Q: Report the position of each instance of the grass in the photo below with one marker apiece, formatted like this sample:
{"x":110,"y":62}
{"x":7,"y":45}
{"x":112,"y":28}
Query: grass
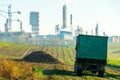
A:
{"x":15,"y":51}
{"x":13,"y":70}
{"x":114,"y":63}
{"x":3,"y":44}
{"x":114,"y":55}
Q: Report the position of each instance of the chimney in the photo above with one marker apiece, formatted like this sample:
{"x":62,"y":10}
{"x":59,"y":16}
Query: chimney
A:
{"x":71,"y":19}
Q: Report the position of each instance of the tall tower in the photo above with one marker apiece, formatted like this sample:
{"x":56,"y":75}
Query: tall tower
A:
{"x":71,"y":19}
{"x":34,"y":22}
{"x":91,"y":31}
{"x":64,"y":16}
{"x":96,"y":30}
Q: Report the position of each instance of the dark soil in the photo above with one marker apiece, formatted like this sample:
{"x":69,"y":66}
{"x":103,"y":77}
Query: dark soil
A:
{"x":40,"y":57}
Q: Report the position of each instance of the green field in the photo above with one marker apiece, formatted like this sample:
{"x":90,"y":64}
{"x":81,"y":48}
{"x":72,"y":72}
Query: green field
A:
{"x":60,"y":71}
{"x":114,"y":55}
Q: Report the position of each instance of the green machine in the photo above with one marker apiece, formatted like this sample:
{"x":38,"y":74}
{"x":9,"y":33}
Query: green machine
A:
{"x":91,"y":54}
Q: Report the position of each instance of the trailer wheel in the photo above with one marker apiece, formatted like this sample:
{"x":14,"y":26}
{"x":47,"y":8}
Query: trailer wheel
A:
{"x":79,"y":73}
{"x":101,"y":73}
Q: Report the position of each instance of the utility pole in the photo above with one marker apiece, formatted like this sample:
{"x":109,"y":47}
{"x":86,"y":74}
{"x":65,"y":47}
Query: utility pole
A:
{"x":10,"y":16}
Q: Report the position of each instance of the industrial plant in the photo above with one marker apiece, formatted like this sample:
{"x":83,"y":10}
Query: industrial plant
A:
{"x":64,"y":34}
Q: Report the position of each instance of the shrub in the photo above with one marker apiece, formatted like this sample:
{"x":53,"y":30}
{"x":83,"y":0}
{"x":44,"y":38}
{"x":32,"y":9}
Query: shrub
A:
{"x":9,"y":69}
{"x":13,"y":70}
{"x":37,"y":70}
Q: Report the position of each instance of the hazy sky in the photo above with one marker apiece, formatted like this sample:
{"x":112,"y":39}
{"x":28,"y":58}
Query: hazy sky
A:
{"x":86,"y":13}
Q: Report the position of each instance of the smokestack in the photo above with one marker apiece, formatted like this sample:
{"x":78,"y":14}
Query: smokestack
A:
{"x":21,"y":26}
{"x":71,"y":19}
{"x":86,"y":32}
{"x":64,"y":16}
{"x":91,"y":31}
{"x":96,"y":30}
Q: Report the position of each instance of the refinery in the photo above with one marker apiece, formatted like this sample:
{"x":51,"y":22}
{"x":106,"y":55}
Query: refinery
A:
{"x":64,"y":33}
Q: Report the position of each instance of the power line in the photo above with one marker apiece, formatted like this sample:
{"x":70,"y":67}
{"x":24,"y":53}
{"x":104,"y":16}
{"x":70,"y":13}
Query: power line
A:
{"x":3,"y":16}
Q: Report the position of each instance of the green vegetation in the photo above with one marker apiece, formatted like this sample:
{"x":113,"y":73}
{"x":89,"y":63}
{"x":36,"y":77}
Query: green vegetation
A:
{"x":114,"y":63}
{"x":13,"y":70}
{"x":5,"y":44}
{"x":37,"y":70}
{"x":114,"y":55}
{"x":114,"y":47}
{"x":12,"y":50}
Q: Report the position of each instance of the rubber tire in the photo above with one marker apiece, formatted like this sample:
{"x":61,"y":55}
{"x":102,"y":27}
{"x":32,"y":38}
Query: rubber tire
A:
{"x":101,"y":73}
{"x":79,"y":73}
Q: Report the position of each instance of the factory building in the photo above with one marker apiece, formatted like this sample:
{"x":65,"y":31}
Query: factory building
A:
{"x":34,"y":22}
{"x":66,"y":31}
{"x":66,"y":34}
{"x":115,"y":39}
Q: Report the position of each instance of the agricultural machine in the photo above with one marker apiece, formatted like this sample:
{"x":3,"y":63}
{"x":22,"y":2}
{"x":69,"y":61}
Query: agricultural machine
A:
{"x":91,"y":54}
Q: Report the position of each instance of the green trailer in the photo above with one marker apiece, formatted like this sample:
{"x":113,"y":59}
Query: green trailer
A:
{"x":91,"y":54}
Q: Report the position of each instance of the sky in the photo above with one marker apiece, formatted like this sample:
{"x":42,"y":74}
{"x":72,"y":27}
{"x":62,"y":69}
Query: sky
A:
{"x":86,"y":14}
